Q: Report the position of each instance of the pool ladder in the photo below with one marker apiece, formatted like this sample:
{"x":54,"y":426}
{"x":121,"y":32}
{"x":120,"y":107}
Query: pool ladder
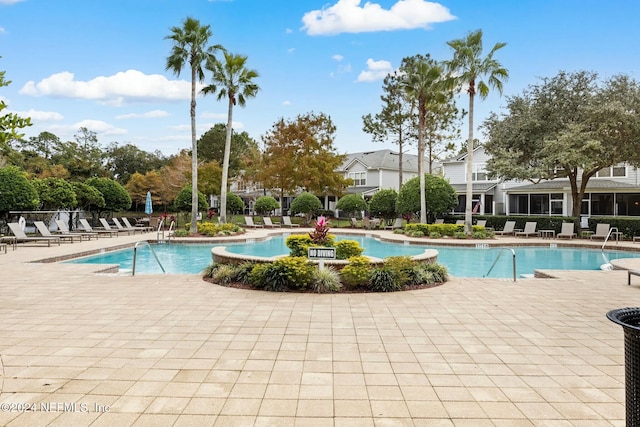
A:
{"x":135,"y":252}
{"x":498,"y":257}
{"x":611,"y":231}
{"x":161,"y":231}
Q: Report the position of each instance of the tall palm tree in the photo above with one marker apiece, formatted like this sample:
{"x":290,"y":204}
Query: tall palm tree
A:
{"x":468,"y":66}
{"x":231,"y":79}
{"x":424,"y":84}
{"x":191,"y":47}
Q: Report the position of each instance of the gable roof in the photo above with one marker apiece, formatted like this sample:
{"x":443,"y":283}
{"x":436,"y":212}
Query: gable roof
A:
{"x":382,"y":159}
{"x":561,"y":184}
{"x":461,"y":157}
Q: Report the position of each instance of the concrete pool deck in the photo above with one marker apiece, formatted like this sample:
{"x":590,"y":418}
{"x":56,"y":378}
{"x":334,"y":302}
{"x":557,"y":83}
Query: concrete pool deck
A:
{"x":105,"y":350}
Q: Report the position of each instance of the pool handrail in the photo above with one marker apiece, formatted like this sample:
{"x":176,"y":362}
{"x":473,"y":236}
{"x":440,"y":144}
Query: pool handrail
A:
{"x":498,"y":257}
{"x":611,"y":231}
{"x":135,"y":251}
{"x":160,"y":230}
{"x":170,"y":229}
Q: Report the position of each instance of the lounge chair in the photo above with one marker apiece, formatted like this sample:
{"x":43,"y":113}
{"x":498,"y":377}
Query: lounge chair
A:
{"x":249,"y":223}
{"x":529,"y":230}
{"x":602,"y":231}
{"x":460,"y":222}
{"x":509,"y":228}
{"x":106,"y":226}
{"x":129,"y":228}
{"x":568,"y":230}
{"x":267,"y":222}
{"x":397,"y":224}
{"x":44,"y":231}
{"x":354,"y":223}
{"x":439,"y":221}
{"x":63,"y":229}
{"x":286,"y":222}
{"x":482,"y":223}
{"x":87,"y":227}
{"x":21,"y":237}
{"x":138,"y":226}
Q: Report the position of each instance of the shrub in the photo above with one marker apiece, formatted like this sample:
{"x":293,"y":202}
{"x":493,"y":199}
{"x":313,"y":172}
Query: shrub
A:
{"x":235,"y":204}
{"x":298,"y":244}
{"x":181,"y":233}
{"x":440,"y":274}
{"x":384,"y":279}
{"x":434,"y":235}
{"x":265,"y":205}
{"x":257,"y":275}
{"x":422,"y":276}
{"x":347,"y":249}
{"x":357,"y":272}
{"x":402,"y":267}
{"x":351,"y":204}
{"x":325,"y":280}
{"x":298,"y":271}
{"x":243,"y":271}
{"x":182,"y":201}
{"x":306,"y":203}
{"x":211,"y":269}
{"x":224,"y":275}
{"x":460,"y":235}
{"x":211,"y":229}
{"x":383,"y":204}
{"x":270,"y":277}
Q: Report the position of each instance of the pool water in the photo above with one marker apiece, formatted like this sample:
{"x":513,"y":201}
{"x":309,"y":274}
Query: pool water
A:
{"x":461,"y":262}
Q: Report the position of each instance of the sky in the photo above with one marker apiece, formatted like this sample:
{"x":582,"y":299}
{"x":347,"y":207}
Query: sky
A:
{"x":101,"y":64}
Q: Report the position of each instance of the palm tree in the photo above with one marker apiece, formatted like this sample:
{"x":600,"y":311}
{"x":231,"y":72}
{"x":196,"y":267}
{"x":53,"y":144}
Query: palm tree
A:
{"x":191,"y":46}
{"x":468,"y":66}
{"x":233,"y":80}
{"x":424,"y":84}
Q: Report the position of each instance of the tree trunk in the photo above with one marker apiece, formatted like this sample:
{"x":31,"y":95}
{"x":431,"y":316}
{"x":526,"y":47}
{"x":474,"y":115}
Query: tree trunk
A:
{"x":194,"y":157}
{"x":423,"y":200}
{"x":468,"y":219}
{"x":225,"y":163}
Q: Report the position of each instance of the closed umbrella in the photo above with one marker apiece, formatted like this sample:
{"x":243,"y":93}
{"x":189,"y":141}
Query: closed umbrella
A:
{"x":148,"y":205}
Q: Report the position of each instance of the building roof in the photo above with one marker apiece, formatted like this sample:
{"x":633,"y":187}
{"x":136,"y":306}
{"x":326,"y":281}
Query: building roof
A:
{"x":482,"y":187}
{"x":365,"y":191}
{"x":382,"y":159}
{"x":556,"y":184}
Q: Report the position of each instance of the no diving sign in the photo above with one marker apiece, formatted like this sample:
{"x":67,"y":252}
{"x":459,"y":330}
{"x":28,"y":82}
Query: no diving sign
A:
{"x":321,"y":253}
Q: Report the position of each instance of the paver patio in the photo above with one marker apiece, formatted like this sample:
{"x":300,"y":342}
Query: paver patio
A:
{"x":106,"y":350}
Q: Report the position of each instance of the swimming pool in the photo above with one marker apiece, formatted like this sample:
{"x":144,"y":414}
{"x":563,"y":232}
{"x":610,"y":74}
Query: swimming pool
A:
{"x":460,"y":261}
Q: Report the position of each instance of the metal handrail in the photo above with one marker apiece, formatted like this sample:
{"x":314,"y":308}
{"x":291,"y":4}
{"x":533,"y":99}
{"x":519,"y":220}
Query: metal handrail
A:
{"x":498,"y":257}
{"x":609,"y":235}
{"x":170,"y":228}
{"x":135,"y":251}
{"x":160,"y":230}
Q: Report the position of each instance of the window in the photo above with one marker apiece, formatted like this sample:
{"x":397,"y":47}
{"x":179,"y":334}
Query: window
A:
{"x":557,"y":204}
{"x":601,"y":204}
{"x":539,"y":204}
{"x":613,"y":171}
{"x":359,"y":178}
{"x":479,"y":172}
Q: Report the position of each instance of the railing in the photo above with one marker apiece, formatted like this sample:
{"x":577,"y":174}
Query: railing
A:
{"x":170,"y":229}
{"x":160,"y":230}
{"x":135,"y":252}
{"x":611,"y":231}
{"x":498,"y":257}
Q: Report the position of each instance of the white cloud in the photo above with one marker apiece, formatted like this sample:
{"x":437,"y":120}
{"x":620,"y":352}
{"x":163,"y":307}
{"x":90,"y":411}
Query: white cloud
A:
{"x":347,"y":16}
{"x":2,"y":30}
{"x":40,"y":116}
{"x":291,"y":50}
{"x":121,"y":88}
{"x":376,"y":70}
{"x":337,"y":57}
{"x":98,"y":126}
{"x":155,"y":114}
{"x":214,"y":116}
{"x":286,"y":103}
{"x":288,"y":31}
{"x":8,"y":2}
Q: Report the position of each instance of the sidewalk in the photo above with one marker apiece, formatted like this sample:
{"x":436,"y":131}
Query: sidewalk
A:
{"x":105,"y":350}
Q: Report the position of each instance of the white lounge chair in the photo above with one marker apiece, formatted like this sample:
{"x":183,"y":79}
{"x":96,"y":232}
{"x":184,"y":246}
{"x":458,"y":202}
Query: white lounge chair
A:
{"x":107,"y":226}
{"x":138,"y":226}
{"x":44,"y":232}
{"x":286,"y":222}
{"x":87,"y":227}
{"x":63,"y":229}
{"x":22,"y":237}
{"x":568,"y":230}
{"x":267,"y":222}
{"x":122,"y":228}
{"x":602,"y":231}
{"x":249,"y":223}
{"x":397,"y":224}
{"x":439,"y":221}
{"x":529,"y":230}
{"x":460,"y":222}
{"x":509,"y":228}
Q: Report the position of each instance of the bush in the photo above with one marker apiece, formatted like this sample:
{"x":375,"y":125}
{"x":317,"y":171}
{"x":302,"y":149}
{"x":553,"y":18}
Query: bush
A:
{"x":298,"y":270}
{"x":182,"y":201}
{"x":211,"y":229}
{"x":283,"y":274}
{"x":422,"y":276}
{"x":440,"y":274}
{"x":307,"y":204}
{"x":402,"y":267}
{"x":357,"y":272}
{"x":235,"y":204}
{"x":224,"y":275}
{"x":243,"y":272}
{"x":383,"y":204}
{"x":351,"y":204}
{"x":440,"y":196}
{"x":299,"y":244}
{"x":265,"y":204}
{"x":181,"y":233}
{"x":325,"y":280}
{"x":384,"y":279}
{"x":348,"y":248}
{"x":211,"y":269}
{"x":16,"y":192}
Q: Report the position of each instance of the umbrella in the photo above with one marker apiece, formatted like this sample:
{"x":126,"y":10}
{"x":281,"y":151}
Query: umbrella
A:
{"x":148,"y":205}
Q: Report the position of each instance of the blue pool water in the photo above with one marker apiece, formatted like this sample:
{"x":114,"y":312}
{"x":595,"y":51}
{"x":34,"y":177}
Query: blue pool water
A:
{"x":461,"y":262}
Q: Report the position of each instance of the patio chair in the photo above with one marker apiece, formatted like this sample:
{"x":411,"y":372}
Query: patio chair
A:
{"x":602,"y":231}
{"x":439,"y":221}
{"x":87,"y":227}
{"x":509,"y":228}
{"x":21,"y":237}
{"x":568,"y":230}
{"x":482,"y":223}
{"x":286,"y":222}
{"x":138,"y":225}
{"x":267,"y":222}
{"x":107,"y":226}
{"x":249,"y":223}
{"x":396,"y":224}
{"x":122,"y":228}
{"x":63,"y":229}
{"x":529,"y":230}
{"x":460,"y":222}
{"x":354,"y":223}
{"x":44,"y":232}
